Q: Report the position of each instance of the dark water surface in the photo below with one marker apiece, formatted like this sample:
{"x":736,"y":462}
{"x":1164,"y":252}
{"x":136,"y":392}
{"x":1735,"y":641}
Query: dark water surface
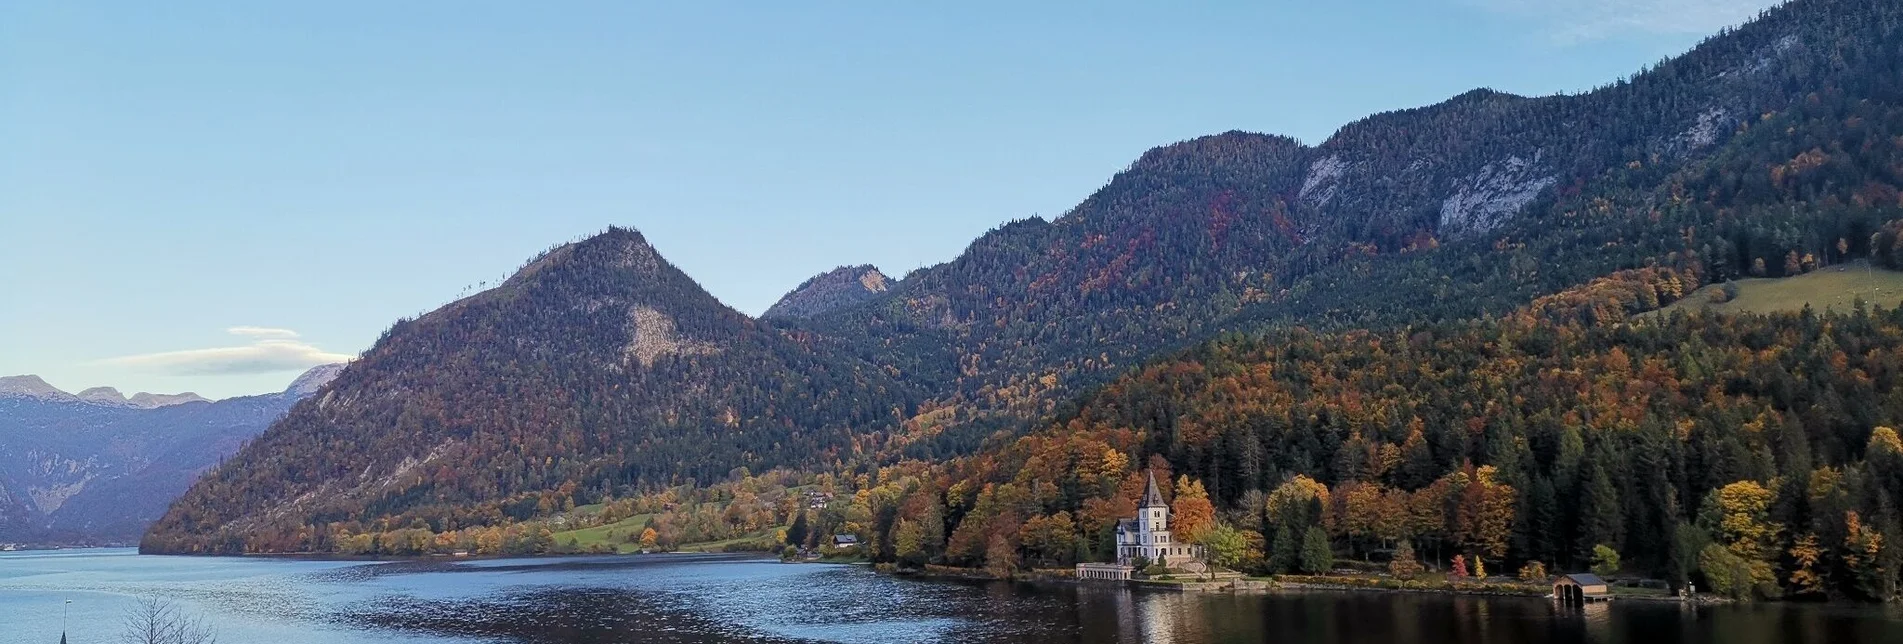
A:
{"x":693,"y":598}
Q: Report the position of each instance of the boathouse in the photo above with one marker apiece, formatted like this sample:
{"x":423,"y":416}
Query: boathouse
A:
{"x":1579,"y":588}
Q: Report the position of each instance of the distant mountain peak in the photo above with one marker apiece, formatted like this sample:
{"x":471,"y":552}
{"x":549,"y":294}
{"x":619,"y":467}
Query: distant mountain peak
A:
{"x":616,"y":247}
{"x":620,"y":247}
{"x":1216,"y":146}
{"x":1481,"y":94}
{"x":314,"y":380}
{"x":843,"y":286}
{"x":31,"y":386}
{"x":145,"y":400}
{"x":103,"y":396}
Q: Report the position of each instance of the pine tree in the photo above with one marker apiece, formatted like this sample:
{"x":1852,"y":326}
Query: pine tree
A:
{"x":1287,"y":556}
{"x":1542,"y":521}
{"x":798,"y":533}
{"x":1417,"y":462}
{"x":1600,"y":519}
{"x":1318,"y":556}
{"x":1404,"y":565}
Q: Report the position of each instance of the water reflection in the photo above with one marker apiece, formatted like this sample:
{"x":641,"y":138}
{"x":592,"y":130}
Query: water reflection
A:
{"x":697,"y":599}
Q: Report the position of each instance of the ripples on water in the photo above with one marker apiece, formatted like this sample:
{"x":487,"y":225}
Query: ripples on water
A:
{"x":691,"y":599}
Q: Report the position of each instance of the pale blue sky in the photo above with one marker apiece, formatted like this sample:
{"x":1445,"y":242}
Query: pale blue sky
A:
{"x":173,"y":170}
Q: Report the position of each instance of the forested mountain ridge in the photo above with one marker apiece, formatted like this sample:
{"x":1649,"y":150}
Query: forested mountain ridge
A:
{"x":597,"y":365}
{"x":1749,"y":454}
{"x":1231,"y":231}
{"x":542,"y":394}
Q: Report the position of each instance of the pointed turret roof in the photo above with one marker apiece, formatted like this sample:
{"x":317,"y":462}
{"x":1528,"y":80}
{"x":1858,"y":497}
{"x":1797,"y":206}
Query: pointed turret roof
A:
{"x":1152,"y":497}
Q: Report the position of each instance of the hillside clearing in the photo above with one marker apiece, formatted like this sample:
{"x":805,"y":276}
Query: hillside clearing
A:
{"x":1834,"y":287}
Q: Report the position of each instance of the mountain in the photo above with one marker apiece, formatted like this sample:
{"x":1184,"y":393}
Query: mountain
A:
{"x":33,"y":387}
{"x":311,"y":381}
{"x":98,"y":467}
{"x":144,"y":400}
{"x":600,"y":370}
{"x":1458,"y":210}
{"x":111,"y":397}
{"x":838,"y":288}
{"x":1540,"y":436}
{"x":598,"y":364}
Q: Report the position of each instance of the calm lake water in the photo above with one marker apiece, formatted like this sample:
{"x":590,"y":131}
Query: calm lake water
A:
{"x":689,"y":598}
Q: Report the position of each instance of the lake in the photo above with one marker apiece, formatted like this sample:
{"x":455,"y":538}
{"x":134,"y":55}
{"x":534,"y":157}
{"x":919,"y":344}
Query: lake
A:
{"x":717,"y":598}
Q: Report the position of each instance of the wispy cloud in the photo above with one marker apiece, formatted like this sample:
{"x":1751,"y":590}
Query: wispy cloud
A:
{"x":270,"y":350}
{"x":262,"y":332}
{"x":1572,"y":21}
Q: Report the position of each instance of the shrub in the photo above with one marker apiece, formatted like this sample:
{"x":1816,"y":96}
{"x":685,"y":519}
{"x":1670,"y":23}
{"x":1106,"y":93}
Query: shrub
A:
{"x":1726,"y":293}
{"x":1533,"y":571}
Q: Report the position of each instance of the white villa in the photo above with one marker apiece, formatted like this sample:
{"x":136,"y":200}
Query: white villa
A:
{"x":1146,"y":536}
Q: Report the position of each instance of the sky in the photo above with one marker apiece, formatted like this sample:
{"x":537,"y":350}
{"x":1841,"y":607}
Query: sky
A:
{"x":213,"y":196}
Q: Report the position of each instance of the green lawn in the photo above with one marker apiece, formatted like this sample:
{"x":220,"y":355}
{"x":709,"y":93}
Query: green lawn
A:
{"x":1833,"y":287}
{"x":631,"y":526}
{"x":1634,"y":591}
{"x":587,"y":537}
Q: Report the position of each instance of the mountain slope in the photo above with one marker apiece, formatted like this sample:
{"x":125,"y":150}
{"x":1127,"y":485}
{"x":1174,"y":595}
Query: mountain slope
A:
{"x":1533,"y":437}
{"x":598,"y":365}
{"x":99,"y":468}
{"x":599,"y":369}
{"x":841,"y":287}
{"x":1468,"y":207}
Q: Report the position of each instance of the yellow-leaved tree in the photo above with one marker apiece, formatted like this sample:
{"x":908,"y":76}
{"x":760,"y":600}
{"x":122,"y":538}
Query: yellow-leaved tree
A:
{"x":1191,"y":513}
{"x":1739,"y":516}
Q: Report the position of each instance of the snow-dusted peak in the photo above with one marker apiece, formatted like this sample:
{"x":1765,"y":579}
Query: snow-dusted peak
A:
{"x":31,"y":386}
{"x":103,"y":396}
{"x":313,"y":380}
{"x":144,"y":400}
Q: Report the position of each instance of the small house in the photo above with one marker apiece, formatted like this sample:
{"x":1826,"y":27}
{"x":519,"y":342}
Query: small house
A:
{"x":845,"y":541}
{"x":1579,"y":588}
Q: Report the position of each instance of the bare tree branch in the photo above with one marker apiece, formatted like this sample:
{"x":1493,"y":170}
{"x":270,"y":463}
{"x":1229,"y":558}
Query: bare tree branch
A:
{"x":157,"y":621}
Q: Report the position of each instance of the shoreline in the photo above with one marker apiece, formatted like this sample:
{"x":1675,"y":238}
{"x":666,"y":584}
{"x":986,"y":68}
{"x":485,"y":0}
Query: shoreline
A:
{"x":1259,"y":585}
